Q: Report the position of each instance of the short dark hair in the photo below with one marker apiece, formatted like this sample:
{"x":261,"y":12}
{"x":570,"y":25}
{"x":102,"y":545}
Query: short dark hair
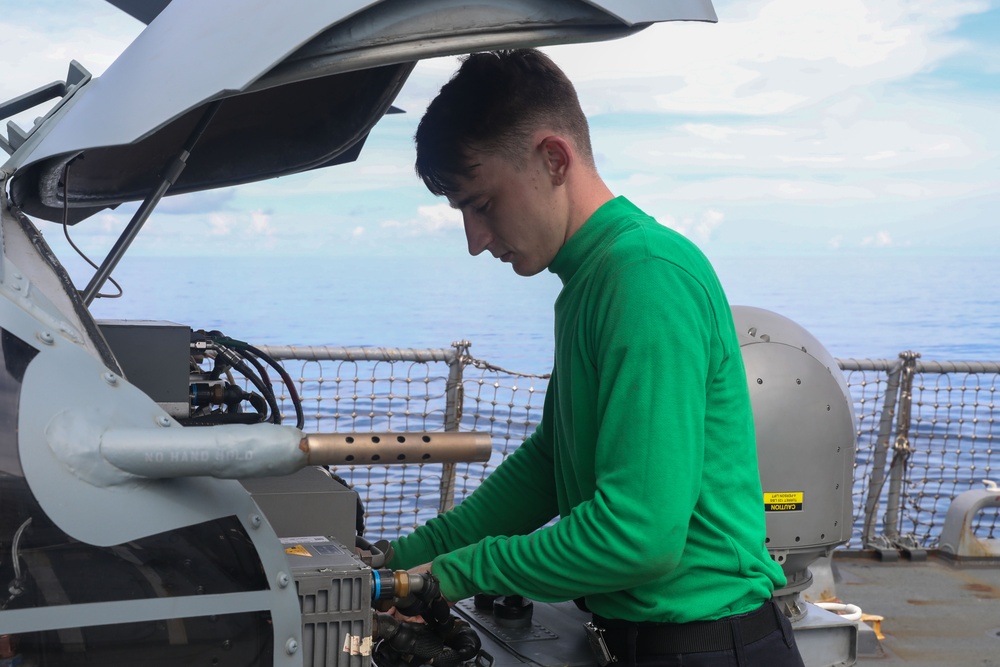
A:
{"x":494,"y":102}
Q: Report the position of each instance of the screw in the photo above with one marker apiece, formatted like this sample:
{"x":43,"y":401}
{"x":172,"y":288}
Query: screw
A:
{"x":291,"y":646}
{"x":255,"y":520}
{"x":46,"y":337}
{"x":110,"y":378}
{"x":283,"y":579}
{"x":760,"y":381}
{"x":164,"y":421}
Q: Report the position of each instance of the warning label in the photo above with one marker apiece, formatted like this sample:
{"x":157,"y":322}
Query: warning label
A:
{"x":298,"y":550}
{"x":786,"y":501}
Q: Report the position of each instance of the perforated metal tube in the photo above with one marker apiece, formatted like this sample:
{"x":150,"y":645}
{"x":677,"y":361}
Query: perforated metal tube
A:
{"x":388,"y":448}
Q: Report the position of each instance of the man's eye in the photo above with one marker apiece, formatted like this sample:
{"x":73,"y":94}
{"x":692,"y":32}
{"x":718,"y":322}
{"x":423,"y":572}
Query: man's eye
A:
{"x":482,"y":208}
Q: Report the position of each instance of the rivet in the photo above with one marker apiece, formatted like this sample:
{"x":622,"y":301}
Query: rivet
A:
{"x":110,"y":378}
{"x":291,"y":646}
{"x":46,"y":337}
{"x":164,"y":421}
{"x":283,"y":579}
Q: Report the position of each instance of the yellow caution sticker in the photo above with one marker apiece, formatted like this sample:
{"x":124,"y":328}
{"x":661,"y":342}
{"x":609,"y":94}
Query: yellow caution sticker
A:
{"x":785,"y":501}
{"x":298,"y":550}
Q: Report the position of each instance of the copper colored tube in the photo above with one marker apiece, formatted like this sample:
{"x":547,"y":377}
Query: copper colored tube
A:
{"x":399,"y":447}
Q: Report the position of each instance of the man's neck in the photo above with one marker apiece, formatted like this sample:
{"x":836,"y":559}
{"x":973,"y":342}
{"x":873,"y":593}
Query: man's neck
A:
{"x":586,"y":196}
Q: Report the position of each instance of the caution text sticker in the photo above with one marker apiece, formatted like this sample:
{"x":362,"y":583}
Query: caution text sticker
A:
{"x":784,"y":501}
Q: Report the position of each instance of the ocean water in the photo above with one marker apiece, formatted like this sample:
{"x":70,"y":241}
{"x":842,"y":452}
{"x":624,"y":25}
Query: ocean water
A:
{"x":946,"y":308}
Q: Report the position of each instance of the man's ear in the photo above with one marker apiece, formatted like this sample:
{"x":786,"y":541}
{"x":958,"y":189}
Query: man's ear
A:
{"x":558,"y":156}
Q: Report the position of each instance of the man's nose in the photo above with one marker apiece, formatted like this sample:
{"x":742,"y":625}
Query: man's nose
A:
{"x":476,"y":233}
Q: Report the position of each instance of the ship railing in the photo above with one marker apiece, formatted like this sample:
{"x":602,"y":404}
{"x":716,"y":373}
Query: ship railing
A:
{"x":926,"y":431}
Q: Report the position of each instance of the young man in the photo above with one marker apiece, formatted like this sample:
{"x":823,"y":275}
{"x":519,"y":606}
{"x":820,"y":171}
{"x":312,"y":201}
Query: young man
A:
{"x":645,"y":449}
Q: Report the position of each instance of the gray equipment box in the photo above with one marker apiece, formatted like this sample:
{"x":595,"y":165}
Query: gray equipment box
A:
{"x":155,"y":356}
{"x":307,"y":503}
{"x":335,"y":595}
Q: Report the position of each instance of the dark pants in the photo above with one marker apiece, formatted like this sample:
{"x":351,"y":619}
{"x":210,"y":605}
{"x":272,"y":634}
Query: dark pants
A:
{"x":777,"y":649}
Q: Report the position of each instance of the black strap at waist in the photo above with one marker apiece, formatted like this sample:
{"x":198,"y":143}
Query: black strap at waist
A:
{"x":696,"y":637}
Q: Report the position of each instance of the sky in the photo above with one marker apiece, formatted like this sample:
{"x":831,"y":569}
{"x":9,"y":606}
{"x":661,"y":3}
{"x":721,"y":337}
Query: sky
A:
{"x":789,"y":128}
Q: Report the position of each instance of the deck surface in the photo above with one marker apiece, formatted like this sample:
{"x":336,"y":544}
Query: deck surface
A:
{"x":936,"y":613}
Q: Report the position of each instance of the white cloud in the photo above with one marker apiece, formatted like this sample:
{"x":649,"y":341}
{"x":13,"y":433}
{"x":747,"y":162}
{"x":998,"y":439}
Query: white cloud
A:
{"x":814,"y":159}
{"x":751,"y":189}
{"x":895,"y":138}
{"x":108,"y":222}
{"x":249,"y":225}
{"x":881,"y":155}
{"x":709,"y":131}
{"x":221,"y":224}
{"x":260,"y":223}
{"x":701,"y":154}
{"x":881,"y":239}
{"x":699,"y":229}
{"x":779,"y":55}
{"x":638,"y":181}
{"x":432,"y":219}
{"x":908,"y":190}
{"x":439,"y":217}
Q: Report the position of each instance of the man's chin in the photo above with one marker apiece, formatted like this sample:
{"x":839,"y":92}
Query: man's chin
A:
{"x":526,"y":271}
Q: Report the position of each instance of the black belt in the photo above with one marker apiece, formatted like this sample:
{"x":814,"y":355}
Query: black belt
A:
{"x":695,"y":637}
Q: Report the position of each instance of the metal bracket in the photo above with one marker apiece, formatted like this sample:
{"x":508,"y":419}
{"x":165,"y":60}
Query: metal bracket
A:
{"x":16,"y":136}
{"x":957,"y":537}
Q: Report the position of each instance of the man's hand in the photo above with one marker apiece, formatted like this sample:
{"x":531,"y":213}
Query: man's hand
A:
{"x":424,"y":598}
{"x":411,"y":602}
{"x":420,"y":569}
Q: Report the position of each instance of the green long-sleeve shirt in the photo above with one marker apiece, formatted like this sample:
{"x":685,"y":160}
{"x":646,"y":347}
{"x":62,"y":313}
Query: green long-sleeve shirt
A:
{"x":645,"y":448}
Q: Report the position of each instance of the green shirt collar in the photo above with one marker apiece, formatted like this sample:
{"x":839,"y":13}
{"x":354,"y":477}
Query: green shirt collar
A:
{"x":599,"y":229}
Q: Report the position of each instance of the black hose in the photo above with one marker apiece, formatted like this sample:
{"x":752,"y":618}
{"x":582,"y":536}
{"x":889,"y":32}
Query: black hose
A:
{"x":236,"y":362}
{"x":293,"y":395}
{"x":268,"y":389}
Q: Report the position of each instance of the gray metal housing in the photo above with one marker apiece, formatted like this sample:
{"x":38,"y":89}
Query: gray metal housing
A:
{"x":804,"y":419}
